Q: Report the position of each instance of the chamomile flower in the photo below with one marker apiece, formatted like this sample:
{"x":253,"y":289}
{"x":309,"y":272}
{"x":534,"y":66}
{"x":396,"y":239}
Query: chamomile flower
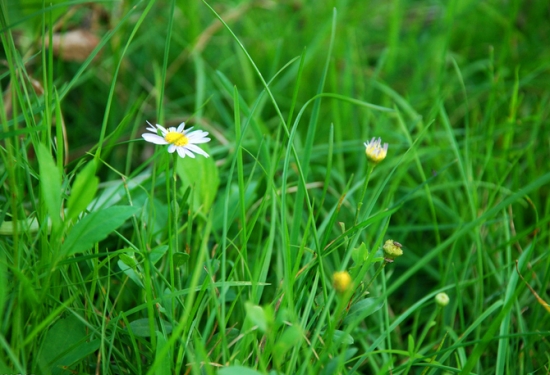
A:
{"x":375,"y":151}
{"x":179,"y":139}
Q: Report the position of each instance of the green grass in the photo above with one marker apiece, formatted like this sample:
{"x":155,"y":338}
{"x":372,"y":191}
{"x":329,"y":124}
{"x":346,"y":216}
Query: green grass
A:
{"x":119,"y":258}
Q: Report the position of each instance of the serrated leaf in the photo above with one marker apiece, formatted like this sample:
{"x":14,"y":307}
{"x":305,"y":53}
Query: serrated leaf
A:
{"x":95,"y":227}
{"x":50,"y":183}
{"x":83,"y":190}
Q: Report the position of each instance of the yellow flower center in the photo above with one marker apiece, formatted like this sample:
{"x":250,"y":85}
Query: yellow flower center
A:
{"x":176,"y":138}
{"x":376,"y":153}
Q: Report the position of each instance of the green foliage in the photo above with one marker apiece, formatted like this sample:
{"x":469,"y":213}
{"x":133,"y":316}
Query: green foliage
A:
{"x":119,"y":258}
{"x":50,"y":184}
{"x":65,"y":344}
{"x":83,"y":190}
{"x":95,"y":227}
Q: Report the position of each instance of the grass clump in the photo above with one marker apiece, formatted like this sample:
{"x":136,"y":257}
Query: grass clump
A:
{"x":282,"y":245}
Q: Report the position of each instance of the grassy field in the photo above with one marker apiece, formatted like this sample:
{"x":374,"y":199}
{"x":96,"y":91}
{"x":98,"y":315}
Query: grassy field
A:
{"x":118,"y":257}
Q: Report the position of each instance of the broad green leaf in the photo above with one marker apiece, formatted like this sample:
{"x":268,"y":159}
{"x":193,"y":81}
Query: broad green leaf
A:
{"x":257,"y":316}
{"x":129,"y":260}
{"x":65,"y":345}
{"x":95,"y":227}
{"x":342,"y":337}
{"x":140,"y":327}
{"x":157,"y":253}
{"x":83,"y":190}
{"x":362,"y":309}
{"x":238,"y":370}
{"x":180,"y":259}
{"x":201,"y":175}
{"x":50,"y":183}
{"x":164,"y":367}
{"x":360,"y":254}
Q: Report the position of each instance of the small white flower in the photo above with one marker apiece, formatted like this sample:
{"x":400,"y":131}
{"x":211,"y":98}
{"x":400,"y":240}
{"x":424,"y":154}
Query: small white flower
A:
{"x":182,"y":140}
{"x":375,"y":151}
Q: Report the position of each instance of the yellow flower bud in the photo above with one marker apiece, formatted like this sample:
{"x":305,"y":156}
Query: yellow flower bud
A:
{"x":375,"y":151}
{"x":341,"y":281}
{"x":392,"y":250}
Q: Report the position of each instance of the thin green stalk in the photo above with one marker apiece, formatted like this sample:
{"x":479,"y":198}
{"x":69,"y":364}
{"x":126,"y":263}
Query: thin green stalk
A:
{"x":363,"y":191}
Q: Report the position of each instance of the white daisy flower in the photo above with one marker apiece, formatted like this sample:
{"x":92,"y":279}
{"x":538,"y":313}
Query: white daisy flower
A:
{"x":182,"y":140}
{"x":375,"y":151}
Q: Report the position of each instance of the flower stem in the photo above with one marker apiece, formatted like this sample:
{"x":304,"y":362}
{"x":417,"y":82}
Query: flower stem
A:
{"x":376,"y":274}
{"x":365,"y":184}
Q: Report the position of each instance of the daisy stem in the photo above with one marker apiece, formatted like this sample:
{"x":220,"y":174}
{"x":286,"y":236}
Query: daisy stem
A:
{"x":365,"y":184}
{"x":175,"y":215}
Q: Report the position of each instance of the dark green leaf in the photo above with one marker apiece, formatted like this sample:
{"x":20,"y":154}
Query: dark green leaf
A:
{"x":180,"y":259}
{"x":95,"y":227}
{"x":65,"y":345}
{"x":140,"y":327}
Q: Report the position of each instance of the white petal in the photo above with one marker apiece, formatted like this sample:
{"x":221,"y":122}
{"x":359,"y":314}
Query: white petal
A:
{"x":162,"y":129}
{"x":151,"y":127}
{"x":196,"y":133}
{"x":181,"y":152}
{"x":189,"y":153}
{"x":181,"y":127}
{"x":199,"y":140}
{"x":195,"y":137}
{"x":172,"y":148}
{"x":154,"y":138}
{"x":186,"y":131}
{"x":196,"y":149}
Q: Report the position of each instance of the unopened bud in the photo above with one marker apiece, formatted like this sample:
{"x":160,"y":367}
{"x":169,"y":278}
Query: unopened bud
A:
{"x":392,"y":250}
{"x":442,"y":299}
